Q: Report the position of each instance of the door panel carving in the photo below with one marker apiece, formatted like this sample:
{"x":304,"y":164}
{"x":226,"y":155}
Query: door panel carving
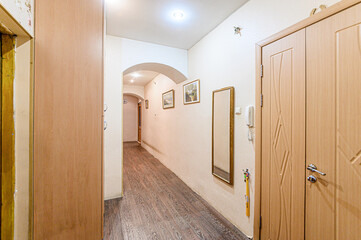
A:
{"x":333,"y":209}
{"x":283,"y":154}
{"x":348,"y":158}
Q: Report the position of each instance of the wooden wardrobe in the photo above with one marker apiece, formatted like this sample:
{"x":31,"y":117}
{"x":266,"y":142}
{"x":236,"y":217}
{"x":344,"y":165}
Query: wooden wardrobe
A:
{"x":68,"y":121}
{"x":309,"y":129}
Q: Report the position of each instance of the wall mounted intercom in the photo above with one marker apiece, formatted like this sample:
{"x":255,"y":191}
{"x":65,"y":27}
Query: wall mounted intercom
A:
{"x":250,"y":116}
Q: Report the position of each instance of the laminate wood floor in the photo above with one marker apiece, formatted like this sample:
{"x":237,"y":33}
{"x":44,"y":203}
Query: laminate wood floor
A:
{"x":158,"y":205}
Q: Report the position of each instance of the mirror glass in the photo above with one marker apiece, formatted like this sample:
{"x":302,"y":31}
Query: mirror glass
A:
{"x":222,"y":134}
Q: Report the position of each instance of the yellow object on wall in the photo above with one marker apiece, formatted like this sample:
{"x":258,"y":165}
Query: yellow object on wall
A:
{"x":246,"y":180}
{"x":7,"y":136}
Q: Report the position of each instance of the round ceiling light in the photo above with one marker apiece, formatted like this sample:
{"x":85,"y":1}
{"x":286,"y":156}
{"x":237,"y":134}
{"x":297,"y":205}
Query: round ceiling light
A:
{"x":132,"y":80}
{"x":178,"y":15}
{"x":136,"y":75}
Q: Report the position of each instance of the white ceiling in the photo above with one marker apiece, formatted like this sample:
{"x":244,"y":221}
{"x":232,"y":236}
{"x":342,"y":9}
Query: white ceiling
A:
{"x":151,"y":20}
{"x":142,"y":80}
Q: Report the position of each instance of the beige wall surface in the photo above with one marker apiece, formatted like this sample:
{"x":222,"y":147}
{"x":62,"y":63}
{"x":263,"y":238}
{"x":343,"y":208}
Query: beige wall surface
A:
{"x":113,"y":135}
{"x":136,"y":91}
{"x":130,"y":119}
{"x":181,"y":137}
{"x":159,"y":131}
{"x":121,"y":54}
{"x":22,"y":138}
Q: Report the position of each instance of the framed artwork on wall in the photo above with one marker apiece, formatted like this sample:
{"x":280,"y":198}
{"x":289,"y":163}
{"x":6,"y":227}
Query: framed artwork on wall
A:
{"x":191,"y":92}
{"x":168,"y":99}
{"x":146,"y":104}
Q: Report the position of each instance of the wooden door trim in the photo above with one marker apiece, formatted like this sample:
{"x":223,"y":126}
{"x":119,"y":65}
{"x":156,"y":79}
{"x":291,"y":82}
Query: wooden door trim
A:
{"x":258,"y":145}
{"x":12,"y":24}
{"x":102,"y":122}
{"x":139,"y":121}
{"x":7,"y":136}
{"x":334,"y":9}
{"x":31,"y":143}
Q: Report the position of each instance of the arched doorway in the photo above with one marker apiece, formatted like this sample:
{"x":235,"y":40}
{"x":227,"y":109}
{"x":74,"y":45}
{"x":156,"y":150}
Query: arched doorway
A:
{"x":166,"y":70}
{"x":135,"y":79}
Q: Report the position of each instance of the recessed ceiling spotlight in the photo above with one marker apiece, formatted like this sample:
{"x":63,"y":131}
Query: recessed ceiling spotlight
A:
{"x":178,"y":15}
{"x":136,"y":75}
{"x":132,"y":80}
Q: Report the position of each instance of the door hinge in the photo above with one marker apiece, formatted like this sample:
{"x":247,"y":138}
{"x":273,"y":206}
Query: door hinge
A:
{"x":260,"y":222}
{"x":261,"y":100}
{"x":261,"y":71}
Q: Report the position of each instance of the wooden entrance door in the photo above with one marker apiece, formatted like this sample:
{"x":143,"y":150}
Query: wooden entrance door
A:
{"x":139,"y":122}
{"x":327,"y":122}
{"x":283,"y":138}
{"x":333,"y":202}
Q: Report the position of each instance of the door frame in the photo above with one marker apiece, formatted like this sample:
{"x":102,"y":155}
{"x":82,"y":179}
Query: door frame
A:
{"x":139,"y":120}
{"x":336,"y":8}
{"x":7,"y":135}
{"x":12,"y":27}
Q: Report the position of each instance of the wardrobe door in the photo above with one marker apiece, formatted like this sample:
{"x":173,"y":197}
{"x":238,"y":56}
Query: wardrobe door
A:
{"x":68,"y":120}
{"x":333,"y":201}
{"x":283,"y":138}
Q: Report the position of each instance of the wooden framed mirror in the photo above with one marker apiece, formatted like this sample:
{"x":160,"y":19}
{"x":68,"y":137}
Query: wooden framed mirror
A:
{"x":223,"y":134}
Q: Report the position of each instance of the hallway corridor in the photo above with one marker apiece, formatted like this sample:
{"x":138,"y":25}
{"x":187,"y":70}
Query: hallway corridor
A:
{"x":158,"y":205}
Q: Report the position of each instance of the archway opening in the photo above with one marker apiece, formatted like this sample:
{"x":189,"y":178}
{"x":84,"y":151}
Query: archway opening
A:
{"x":166,"y":70}
{"x":139,"y":110}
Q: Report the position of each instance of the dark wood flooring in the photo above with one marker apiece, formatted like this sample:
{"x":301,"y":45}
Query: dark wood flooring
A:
{"x":158,"y":205}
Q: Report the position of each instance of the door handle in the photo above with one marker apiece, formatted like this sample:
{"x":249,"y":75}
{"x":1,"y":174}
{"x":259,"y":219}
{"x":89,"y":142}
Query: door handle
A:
{"x":313,"y":168}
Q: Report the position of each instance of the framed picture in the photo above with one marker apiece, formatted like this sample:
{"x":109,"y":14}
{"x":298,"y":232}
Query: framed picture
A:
{"x":191,"y":92}
{"x":146,"y":104}
{"x":168,"y":99}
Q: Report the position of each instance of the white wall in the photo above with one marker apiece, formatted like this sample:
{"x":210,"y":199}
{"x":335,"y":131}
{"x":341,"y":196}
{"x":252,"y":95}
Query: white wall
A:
{"x":121,"y":54}
{"x":181,"y":137}
{"x":136,"y":52}
{"x":162,"y":132}
{"x":135,"y":90}
{"x":113,"y":135}
{"x":130,"y":119}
